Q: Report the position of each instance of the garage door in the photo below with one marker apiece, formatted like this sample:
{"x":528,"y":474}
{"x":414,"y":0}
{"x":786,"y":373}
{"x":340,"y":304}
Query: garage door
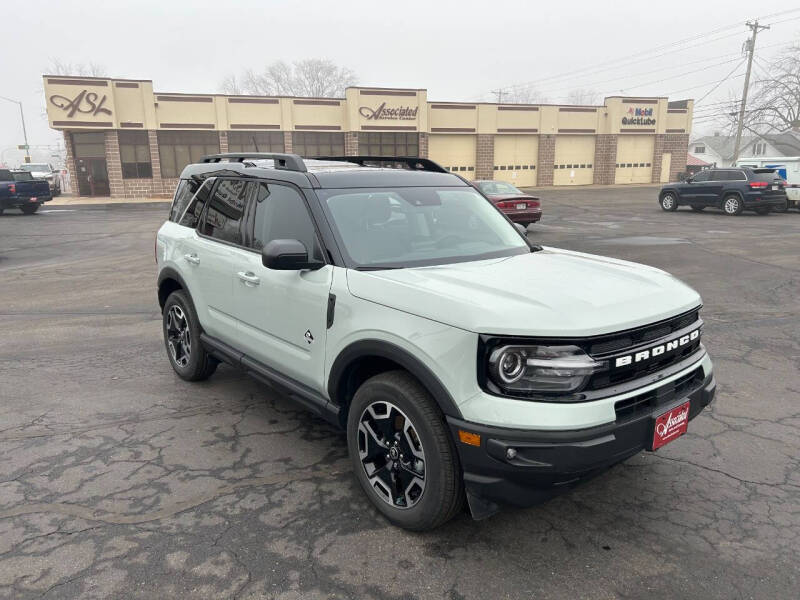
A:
{"x":574,"y":160}
{"x":455,"y":153}
{"x":515,"y":159}
{"x":634,"y":159}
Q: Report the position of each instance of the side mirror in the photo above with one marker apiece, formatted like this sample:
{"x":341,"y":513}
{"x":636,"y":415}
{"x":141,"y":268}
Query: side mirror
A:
{"x":522,"y":230}
{"x":288,"y":255}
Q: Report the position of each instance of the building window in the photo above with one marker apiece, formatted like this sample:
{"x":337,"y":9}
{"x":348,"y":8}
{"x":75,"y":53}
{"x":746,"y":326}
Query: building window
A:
{"x":134,"y":152}
{"x":759,"y":149}
{"x":180,"y":148}
{"x":699,"y":149}
{"x":388,"y":144}
{"x":255,"y":141}
{"x":89,"y":145}
{"x":317,"y":143}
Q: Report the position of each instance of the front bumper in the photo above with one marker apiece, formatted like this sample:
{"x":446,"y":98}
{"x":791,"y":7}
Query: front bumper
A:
{"x":549,"y":462}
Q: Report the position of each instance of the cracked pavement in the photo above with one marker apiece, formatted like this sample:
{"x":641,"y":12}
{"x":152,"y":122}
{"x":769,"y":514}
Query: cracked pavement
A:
{"x":118,"y":479}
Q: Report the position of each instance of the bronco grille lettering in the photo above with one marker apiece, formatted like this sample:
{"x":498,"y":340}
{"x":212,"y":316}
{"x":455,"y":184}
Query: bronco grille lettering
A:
{"x":650,"y":353}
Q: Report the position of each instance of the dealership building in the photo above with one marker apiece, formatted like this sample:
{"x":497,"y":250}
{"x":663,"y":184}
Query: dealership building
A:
{"x":125,"y":140}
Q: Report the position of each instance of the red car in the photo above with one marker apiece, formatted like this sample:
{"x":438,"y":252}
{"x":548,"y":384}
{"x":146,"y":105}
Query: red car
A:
{"x":518,"y":206}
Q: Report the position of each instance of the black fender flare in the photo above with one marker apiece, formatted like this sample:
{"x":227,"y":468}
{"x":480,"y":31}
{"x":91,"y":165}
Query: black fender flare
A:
{"x":170,"y":273}
{"x":665,"y":190}
{"x":389,"y":351}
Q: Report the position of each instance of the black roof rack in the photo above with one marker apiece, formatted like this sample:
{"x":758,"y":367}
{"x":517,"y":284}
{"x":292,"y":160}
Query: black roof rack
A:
{"x":289,"y":162}
{"x":412,"y":162}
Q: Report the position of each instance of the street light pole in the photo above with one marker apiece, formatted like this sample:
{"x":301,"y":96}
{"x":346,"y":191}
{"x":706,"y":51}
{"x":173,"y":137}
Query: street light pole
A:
{"x":24,"y":130}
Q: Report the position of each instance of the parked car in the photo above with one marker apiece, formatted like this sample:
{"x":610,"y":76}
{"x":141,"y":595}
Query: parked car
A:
{"x":45,"y":171}
{"x":786,"y":167}
{"x":520,"y":207}
{"x":732,"y":190}
{"x":400,"y":305}
{"x":19,"y":189}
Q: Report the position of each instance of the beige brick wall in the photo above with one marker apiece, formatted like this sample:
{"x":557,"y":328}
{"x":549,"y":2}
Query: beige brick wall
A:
{"x":605,"y":159}
{"x":484,"y":156}
{"x":546,"y":159}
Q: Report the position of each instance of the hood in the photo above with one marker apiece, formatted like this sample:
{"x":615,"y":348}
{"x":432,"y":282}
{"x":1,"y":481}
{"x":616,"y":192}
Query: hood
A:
{"x":548,"y":293}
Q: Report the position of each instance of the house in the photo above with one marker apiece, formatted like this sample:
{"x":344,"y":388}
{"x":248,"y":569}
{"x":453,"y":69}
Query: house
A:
{"x":694,"y":164}
{"x":717,"y":150}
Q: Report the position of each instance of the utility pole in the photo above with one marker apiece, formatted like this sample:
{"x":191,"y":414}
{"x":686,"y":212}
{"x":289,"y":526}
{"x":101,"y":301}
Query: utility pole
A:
{"x":499,"y":94}
{"x":751,"y":48}
{"x":24,"y":131}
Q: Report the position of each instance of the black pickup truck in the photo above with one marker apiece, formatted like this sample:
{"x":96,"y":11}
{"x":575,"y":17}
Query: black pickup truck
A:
{"x":20,"y":189}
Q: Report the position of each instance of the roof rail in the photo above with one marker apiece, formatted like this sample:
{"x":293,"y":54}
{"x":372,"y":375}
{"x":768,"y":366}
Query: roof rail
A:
{"x":288,"y":162}
{"x":412,"y":162}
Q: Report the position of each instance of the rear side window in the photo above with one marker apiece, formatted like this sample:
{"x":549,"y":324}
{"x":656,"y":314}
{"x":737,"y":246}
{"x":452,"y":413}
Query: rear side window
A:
{"x":731,"y":176}
{"x":190,"y":216}
{"x":183,"y":194}
{"x":281,"y":214}
{"x":223,"y":220}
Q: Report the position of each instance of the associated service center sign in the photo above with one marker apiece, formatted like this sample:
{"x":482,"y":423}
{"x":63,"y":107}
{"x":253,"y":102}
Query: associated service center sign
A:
{"x":382,"y":112}
{"x":639,"y":116}
{"x":85,"y":102}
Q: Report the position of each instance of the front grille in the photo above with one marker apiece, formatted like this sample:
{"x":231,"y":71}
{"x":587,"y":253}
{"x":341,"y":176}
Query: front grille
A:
{"x":631,"y":408}
{"x":629,"y":342}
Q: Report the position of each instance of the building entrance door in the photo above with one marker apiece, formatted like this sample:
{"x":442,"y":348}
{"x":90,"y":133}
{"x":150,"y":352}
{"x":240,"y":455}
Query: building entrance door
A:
{"x":93,"y":177}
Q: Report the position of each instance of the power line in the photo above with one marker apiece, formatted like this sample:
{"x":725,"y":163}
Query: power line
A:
{"x":719,"y":83}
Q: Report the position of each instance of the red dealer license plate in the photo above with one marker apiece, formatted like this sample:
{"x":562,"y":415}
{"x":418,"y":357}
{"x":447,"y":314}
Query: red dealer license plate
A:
{"x":671,"y":425}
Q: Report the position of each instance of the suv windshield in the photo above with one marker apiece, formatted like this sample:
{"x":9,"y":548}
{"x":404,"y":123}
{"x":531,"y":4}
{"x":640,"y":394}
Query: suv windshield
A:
{"x":408,"y":227}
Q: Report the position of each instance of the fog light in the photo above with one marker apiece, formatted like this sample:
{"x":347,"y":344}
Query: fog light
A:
{"x":511,"y":453}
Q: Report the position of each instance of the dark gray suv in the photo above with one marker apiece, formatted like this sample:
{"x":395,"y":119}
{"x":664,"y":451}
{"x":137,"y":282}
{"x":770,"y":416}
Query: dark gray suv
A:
{"x":732,"y":190}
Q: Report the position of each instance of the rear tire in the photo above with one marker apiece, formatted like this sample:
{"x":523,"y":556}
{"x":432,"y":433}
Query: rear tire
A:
{"x":669,"y":202}
{"x":29,"y":209}
{"x":181,"y":329}
{"x":732,"y":205}
{"x":402,"y":452}
{"x":698,"y":208}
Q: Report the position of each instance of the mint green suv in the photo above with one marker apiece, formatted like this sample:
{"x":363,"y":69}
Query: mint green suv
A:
{"x":394,"y":300}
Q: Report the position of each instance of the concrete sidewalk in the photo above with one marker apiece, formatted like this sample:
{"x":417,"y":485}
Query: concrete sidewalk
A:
{"x":72,"y":200}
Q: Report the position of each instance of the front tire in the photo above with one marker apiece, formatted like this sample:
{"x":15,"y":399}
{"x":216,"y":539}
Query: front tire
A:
{"x":669,"y":202}
{"x":29,"y":209}
{"x":182,"y":339}
{"x":402,"y":453}
{"x":732,"y":205}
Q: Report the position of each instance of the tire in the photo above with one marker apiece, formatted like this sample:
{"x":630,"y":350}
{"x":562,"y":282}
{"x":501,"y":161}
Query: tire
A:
{"x":29,"y":209}
{"x":697,"y":208}
{"x":732,"y":205}
{"x":764,"y":210}
{"x":392,"y":413}
{"x":668,"y":202}
{"x":181,"y":330}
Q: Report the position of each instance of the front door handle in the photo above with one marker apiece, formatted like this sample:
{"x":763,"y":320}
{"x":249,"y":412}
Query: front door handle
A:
{"x":192,"y":258}
{"x":249,"y":277}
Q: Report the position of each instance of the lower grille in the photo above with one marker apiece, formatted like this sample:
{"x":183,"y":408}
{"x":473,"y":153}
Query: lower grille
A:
{"x":631,"y":408}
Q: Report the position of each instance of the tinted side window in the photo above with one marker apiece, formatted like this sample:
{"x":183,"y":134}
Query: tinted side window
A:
{"x":736,"y":176}
{"x":702,"y":176}
{"x":183,"y":194}
{"x":197,"y":193}
{"x":223,"y":220}
{"x":717,"y":176}
{"x":281,"y":214}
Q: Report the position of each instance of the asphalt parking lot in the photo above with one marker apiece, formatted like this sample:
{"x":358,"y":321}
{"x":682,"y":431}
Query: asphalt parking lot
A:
{"x":118,"y":479}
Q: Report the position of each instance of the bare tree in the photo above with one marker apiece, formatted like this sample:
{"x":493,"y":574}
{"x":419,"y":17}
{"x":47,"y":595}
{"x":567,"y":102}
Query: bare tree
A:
{"x":523,"y":95}
{"x":312,"y":77}
{"x":773,"y":104}
{"x":583,"y":96}
{"x":90,"y":69}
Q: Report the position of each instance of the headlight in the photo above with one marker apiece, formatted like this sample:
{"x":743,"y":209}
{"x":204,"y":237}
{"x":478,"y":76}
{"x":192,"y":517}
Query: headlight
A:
{"x":526,"y":370}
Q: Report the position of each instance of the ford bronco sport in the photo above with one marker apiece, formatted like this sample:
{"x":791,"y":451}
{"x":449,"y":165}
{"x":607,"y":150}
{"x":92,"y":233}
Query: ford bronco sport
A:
{"x":392,"y":299}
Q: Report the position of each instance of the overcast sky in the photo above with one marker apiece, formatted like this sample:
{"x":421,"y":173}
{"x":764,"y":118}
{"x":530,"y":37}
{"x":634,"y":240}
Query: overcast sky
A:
{"x":458,"y":50}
